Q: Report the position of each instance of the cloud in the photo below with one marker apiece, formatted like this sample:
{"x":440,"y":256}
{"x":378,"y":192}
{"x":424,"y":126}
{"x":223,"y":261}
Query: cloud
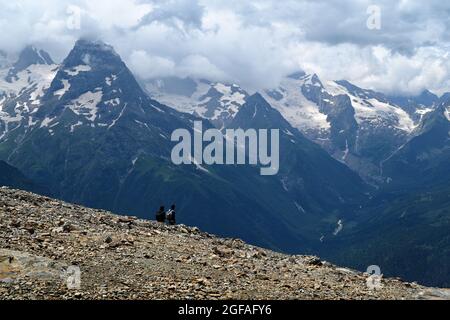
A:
{"x":148,"y":67}
{"x":198,"y":66}
{"x":176,"y":13}
{"x":379,"y":68}
{"x":254,"y":43}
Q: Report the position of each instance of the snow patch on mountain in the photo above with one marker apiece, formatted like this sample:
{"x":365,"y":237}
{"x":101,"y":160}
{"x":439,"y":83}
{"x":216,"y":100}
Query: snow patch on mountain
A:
{"x":46,"y":122}
{"x":76,"y":70}
{"x":299,"y":207}
{"x":66,"y":87}
{"x":405,"y":122}
{"x":218,"y":102}
{"x":36,"y":78}
{"x":179,"y":102}
{"x":86,"y":104}
{"x":372,"y":110}
{"x":113,"y":102}
{"x":118,"y":118}
{"x":423,"y":112}
{"x":6,"y":118}
{"x":109,"y":80}
{"x":74,"y":126}
{"x":227,"y":104}
{"x":339,"y":228}
{"x":301,"y":113}
{"x":25,"y":89}
{"x":230,"y":94}
{"x":2,"y":101}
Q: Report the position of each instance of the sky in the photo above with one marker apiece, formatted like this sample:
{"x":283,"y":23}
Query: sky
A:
{"x":397,"y":47}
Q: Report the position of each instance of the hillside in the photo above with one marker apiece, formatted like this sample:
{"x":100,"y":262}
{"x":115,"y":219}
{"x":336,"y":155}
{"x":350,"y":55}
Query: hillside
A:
{"x":127,"y":258}
{"x":13,"y":178}
{"x":408,"y":236}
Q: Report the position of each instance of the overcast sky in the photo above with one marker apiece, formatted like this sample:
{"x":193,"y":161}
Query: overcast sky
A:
{"x":251,"y":42}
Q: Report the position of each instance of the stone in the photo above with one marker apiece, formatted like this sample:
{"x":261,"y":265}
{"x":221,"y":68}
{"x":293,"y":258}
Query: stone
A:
{"x":68,"y":228}
{"x":47,"y":245}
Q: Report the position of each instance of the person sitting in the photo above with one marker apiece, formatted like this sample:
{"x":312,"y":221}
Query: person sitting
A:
{"x":171,"y":216}
{"x":161,"y":215}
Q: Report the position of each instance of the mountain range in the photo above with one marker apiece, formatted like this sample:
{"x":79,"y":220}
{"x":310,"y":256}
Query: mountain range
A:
{"x":361,"y":128}
{"x":350,"y":158}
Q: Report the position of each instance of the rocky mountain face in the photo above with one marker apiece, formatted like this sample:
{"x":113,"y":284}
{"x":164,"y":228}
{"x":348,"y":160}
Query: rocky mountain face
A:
{"x":356,"y":126}
{"x":22,"y":87}
{"x":424,"y":160}
{"x":12,"y":177}
{"x":445,"y":99}
{"x":217,"y":102}
{"x":28,"y":57}
{"x":406,"y":224}
{"x":317,"y":184}
{"x":54,"y":250}
{"x":361,"y":128}
{"x":96,"y":138}
{"x":417,"y":106}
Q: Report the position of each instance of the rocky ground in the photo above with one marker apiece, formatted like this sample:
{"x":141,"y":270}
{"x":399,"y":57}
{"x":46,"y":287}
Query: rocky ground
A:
{"x":44,"y":242}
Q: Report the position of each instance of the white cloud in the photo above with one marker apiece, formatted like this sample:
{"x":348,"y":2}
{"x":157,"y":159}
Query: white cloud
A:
{"x":147,"y":66}
{"x":253,"y":42}
{"x":200,"y":67}
{"x":379,"y":68}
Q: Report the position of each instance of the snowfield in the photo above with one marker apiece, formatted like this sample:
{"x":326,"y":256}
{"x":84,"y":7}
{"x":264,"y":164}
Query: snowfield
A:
{"x":86,"y":105}
{"x":297,"y":109}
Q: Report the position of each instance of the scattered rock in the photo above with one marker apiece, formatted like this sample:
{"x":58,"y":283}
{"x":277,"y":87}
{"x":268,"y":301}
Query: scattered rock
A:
{"x":314,"y":261}
{"x":67,"y":227}
{"x":223,"y":252}
{"x":53,"y":250}
{"x":108,"y":239}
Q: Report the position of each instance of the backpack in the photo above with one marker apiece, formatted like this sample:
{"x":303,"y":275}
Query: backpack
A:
{"x":170,"y":215}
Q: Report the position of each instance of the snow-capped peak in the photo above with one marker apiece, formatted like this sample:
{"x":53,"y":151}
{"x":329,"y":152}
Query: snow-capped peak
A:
{"x":216,"y":101}
{"x":22,"y":88}
{"x":312,"y":80}
{"x":28,"y":57}
{"x":29,"y":78}
{"x":289,"y":98}
{"x":370,"y":108}
{"x":94,"y":54}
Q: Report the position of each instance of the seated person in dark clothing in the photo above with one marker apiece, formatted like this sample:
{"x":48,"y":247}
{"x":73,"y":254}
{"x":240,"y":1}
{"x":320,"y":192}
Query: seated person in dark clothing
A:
{"x":161,"y":215}
{"x":171,"y":216}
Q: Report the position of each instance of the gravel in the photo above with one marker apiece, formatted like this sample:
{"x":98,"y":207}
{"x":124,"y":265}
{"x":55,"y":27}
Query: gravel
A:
{"x":52,"y":250}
